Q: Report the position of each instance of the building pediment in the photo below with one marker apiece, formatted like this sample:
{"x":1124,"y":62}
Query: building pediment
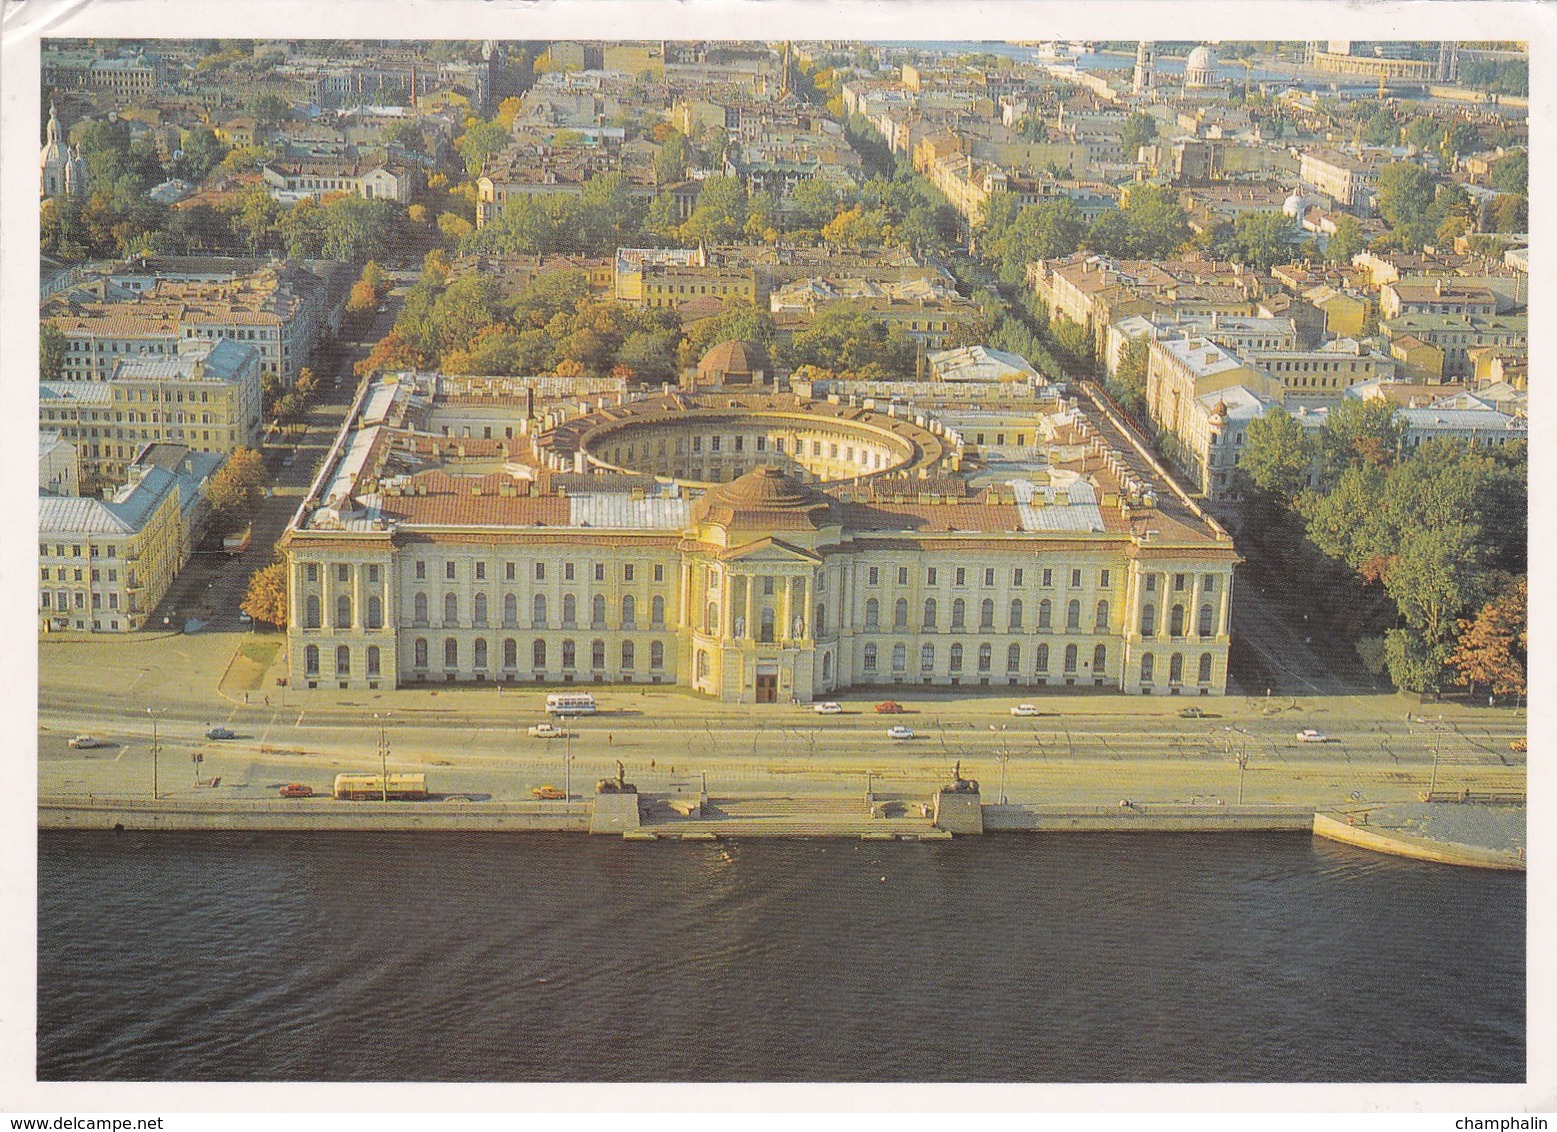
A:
{"x":769,"y":550}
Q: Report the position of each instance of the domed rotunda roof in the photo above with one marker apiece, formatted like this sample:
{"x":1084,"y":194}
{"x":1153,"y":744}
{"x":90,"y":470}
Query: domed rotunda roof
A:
{"x":765,"y":498}
{"x":733,"y":362}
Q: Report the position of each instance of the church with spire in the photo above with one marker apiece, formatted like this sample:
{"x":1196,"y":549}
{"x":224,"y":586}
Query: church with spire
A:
{"x":62,"y":169}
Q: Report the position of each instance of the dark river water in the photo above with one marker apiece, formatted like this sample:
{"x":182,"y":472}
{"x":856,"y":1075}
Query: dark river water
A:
{"x":1080,"y":958}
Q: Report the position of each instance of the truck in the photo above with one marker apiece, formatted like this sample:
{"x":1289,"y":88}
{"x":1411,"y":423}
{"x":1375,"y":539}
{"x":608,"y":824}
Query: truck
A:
{"x":238,"y":541}
{"x":370,"y":787}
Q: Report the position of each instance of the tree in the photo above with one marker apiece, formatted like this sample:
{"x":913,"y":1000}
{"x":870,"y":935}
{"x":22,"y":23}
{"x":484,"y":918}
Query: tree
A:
{"x":1276,"y":458}
{"x":1139,"y":129}
{"x":1072,"y":339}
{"x":1494,"y":645}
{"x":1264,"y":238}
{"x":269,"y":109}
{"x":1347,"y":241}
{"x":235,"y":491}
{"x":1511,"y":174}
{"x":720,"y":214}
{"x":1130,"y":377}
{"x":1357,"y":431}
{"x":1405,"y":194}
{"x":200,"y":151}
{"x":266,"y":598}
{"x":480,"y":142}
{"x":1510,"y":213}
{"x":51,"y":352}
{"x":1381,"y":128}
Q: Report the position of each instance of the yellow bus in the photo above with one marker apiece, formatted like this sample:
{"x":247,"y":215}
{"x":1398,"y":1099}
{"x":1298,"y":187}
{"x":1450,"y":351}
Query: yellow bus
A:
{"x":367,"y":787}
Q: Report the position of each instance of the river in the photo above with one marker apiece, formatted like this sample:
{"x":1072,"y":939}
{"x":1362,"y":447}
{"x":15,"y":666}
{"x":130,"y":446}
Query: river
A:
{"x":445,"y":957}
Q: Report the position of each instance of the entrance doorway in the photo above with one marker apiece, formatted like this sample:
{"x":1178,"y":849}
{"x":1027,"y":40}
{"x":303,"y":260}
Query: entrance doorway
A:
{"x":767,"y":688}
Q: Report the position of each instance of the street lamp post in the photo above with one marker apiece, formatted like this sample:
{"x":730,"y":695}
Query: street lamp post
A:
{"x":1432,"y":781}
{"x":383,"y":756}
{"x":567,"y":765}
{"x":155,"y":749}
{"x":1005,"y":757}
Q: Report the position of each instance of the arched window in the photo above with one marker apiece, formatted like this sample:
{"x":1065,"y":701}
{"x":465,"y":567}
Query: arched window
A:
{"x":311,"y":660}
{"x":1102,"y":616}
{"x":451,"y":609}
{"x":987,"y":613}
{"x":710,"y":617}
{"x":569,"y":654}
{"x":1148,"y":663}
{"x":929,"y":613}
{"x":702,"y":664}
{"x":311,"y":612}
{"x":629,"y":612}
{"x":765,"y":624}
{"x":1205,"y":668}
{"x":510,"y":653}
{"x":1205,"y":620}
{"x":959,"y":614}
{"x":657,"y":611}
{"x":627,"y":655}
{"x":900,"y":614}
{"x":1099,"y":660}
{"x":656,"y":654}
{"x":1043,"y":658}
{"x":899,"y":658}
{"x":1073,"y":616}
{"x":1176,"y":669}
{"x":869,"y":662}
{"x":1176,"y":622}
{"x":1070,"y":658}
{"x":569,"y":610}
{"x":480,"y":612}
{"x":481,"y":652}
{"x":420,"y":603}
{"x":451,"y":653}
{"x":597,"y":612}
{"x":956,"y":658}
{"x":510,"y":609}
{"x":375,"y":612}
{"x":1014,"y":658}
{"x":1045,"y":614}
{"x":538,"y":611}
{"x":1148,"y":620}
{"x":872,"y":613}
{"x":820,"y":628}
{"x":538,"y":654}
{"x":597,"y":655}
{"x":927,"y":659}
{"x":421,"y":652}
{"x":373,"y":660}
{"x":827,"y":666}
{"x":342,"y":611}
{"x":1014,"y":622}
{"x":985,"y":656}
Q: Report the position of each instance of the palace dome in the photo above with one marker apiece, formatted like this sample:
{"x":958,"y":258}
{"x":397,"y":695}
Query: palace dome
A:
{"x":1200,"y":67}
{"x":734,"y":362}
{"x":765,"y":498}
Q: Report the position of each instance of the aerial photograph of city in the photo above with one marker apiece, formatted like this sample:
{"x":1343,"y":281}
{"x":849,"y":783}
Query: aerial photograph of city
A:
{"x":780,"y":560}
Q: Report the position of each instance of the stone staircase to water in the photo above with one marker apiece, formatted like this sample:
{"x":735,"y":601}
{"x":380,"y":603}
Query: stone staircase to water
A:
{"x":792,"y":817}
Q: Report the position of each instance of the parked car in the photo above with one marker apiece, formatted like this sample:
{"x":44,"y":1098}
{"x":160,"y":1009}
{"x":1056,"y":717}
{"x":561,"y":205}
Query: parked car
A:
{"x":220,"y":733}
{"x":900,"y":732}
{"x":1309,"y":735}
{"x":549,"y":794}
{"x":889,"y":707}
{"x":1520,"y":745}
{"x":547,"y":731}
{"x":1192,"y":713}
{"x":828,"y":708}
{"x":87,"y":742}
{"x":297,"y":790}
{"x":244,"y":618}
{"x":1026,"y":709}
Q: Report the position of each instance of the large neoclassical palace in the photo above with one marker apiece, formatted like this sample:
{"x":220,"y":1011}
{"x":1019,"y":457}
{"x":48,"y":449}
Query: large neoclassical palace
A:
{"x":752,"y":545}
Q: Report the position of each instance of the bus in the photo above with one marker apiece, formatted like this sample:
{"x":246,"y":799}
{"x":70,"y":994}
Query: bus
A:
{"x":570,"y":703}
{"x":370,"y":787}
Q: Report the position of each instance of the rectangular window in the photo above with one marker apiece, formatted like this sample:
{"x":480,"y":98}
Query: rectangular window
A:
{"x":874,"y":576}
{"x":1102,"y":579}
{"x":540,"y":571}
{"x":567,"y":571}
{"x":1151,"y":583}
{"x":1178,"y":583}
{"x":342,"y":572}
{"x":1075,"y":579}
{"x":599,"y":571}
{"x":989,"y":575}
{"x":902,"y":575}
{"x":1016,"y":576}
{"x":312,"y":572}
{"x":372,"y":573}
{"x":659,"y":573}
{"x":508,"y":571}
{"x":627,"y":573}
{"x":961,"y":577}
{"x":1048,"y":577}
{"x":421,"y":572}
{"x":481,"y":571}
{"x":929,"y":578}
{"x":448,"y":571}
